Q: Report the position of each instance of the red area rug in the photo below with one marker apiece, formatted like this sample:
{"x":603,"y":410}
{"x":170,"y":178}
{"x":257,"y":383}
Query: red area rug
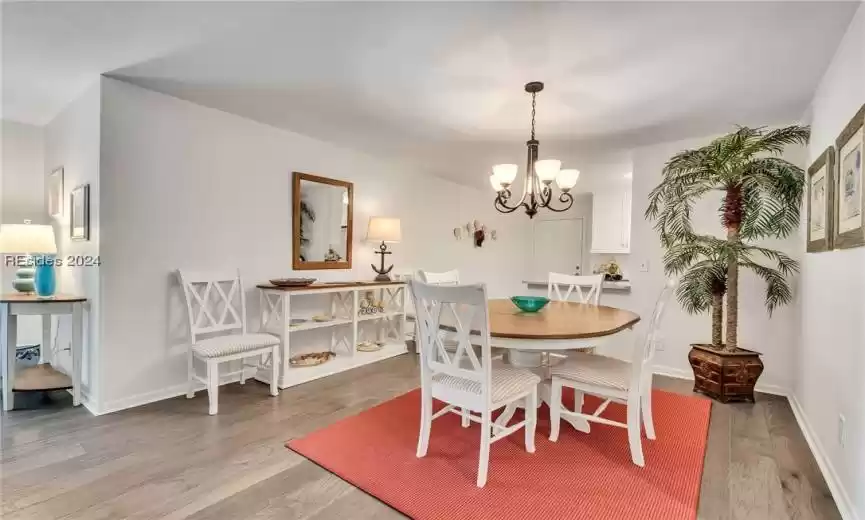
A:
{"x":582,"y":476}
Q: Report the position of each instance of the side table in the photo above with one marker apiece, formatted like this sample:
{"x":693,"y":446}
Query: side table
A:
{"x":42,"y":377}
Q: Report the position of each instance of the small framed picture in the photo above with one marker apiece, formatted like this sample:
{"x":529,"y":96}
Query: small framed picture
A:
{"x":849,"y":225}
{"x":79,"y":208}
{"x":821,"y":188}
{"x":55,"y":192}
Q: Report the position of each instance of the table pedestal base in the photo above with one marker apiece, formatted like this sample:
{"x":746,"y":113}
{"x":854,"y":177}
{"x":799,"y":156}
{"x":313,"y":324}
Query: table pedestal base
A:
{"x":534,"y":362}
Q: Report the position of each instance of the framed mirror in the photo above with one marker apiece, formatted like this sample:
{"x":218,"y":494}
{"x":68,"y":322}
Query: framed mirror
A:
{"x":321,"y":222}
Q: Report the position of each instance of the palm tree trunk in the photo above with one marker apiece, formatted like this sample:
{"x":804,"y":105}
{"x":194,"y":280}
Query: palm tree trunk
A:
{"x":732,"y":219}
{"x":732,"y":294}
{"x":717,"y":319}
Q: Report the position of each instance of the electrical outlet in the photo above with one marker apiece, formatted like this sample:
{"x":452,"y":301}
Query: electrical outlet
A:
{"x":842,"y":430}
{"x":644,"y":266}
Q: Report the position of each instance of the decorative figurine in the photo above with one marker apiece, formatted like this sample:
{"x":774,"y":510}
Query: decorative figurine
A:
{"x":383,"y":275}
{"x":332,"y":256}
{"x":368,"y":305}
{"x":480,"y":235}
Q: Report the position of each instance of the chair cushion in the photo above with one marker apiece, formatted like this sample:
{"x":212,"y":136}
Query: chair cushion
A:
{"x":595,"y":370}
{"x":507,"y":382}
{"x":233,"y":344}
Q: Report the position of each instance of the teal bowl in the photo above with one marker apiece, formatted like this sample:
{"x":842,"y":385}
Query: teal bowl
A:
{"x":530,"y":303}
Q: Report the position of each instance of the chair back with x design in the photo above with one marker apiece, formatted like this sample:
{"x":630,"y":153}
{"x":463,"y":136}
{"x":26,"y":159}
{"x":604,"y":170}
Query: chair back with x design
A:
{"x":451,"y":277}
{"x":215,"y":302}
{"x":574,"y":285}
{"x":464,"y":309}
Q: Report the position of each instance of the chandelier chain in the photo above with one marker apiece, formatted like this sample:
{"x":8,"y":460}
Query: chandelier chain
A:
{"x":533,"y":116}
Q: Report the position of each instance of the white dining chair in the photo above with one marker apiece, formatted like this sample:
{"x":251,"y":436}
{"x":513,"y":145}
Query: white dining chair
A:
{"x":451,"y":277}
{"x":615,"y":381}
{"x":574,"y":284}
{"x":218,"y":334}
{"x":463,"y":380}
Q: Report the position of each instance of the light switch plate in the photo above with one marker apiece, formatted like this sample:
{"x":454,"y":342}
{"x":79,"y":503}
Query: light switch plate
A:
{"x":644,"y":266}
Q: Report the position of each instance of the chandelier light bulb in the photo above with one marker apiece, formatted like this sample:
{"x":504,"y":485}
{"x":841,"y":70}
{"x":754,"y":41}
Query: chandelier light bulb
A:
{"x":547,"y":169}
{"x":567,"y":179}
{"x":505,"y":174}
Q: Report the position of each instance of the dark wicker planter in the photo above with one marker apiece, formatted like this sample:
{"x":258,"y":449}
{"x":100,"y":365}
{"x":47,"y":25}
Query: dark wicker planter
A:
{"x":725,"y":376}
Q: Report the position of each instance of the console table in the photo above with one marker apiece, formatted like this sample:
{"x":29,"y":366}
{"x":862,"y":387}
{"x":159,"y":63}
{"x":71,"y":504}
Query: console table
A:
{"x":42,"y":377}
{"x":346,"y":323}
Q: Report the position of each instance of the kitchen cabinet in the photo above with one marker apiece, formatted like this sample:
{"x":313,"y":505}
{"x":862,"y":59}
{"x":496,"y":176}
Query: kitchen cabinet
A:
{"x":611,"y":221}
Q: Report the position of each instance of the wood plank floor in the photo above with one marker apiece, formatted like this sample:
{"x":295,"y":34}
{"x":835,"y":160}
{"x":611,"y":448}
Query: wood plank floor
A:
{"x":171,"y":460}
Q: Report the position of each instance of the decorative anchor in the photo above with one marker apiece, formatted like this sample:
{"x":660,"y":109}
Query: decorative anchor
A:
{"x":383,"y":274}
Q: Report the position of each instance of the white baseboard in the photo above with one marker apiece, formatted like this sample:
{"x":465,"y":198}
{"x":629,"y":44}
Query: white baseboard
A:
{"x":161,"y":394}
{"x":86,"y":402}
{"x":679,"y":373}
{"x":842,"y":499}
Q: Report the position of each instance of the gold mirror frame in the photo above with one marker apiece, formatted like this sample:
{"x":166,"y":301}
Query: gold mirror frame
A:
{"x":296,"y":262}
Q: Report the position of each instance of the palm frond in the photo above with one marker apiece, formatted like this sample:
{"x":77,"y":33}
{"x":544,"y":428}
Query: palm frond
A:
{"x":774,"y":141}
{"x":772,"y":196}
{"x":786,"y":265}
{"x":696,"y":286}
{"x":777,"y":291}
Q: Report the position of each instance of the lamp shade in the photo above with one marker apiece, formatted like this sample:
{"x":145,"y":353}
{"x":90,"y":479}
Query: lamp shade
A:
{"x":27,"y":238}
{"x":383,"y":229}
{"x":547,"y":169}
{"x":567,"y":179}
{"x":505,"y":173}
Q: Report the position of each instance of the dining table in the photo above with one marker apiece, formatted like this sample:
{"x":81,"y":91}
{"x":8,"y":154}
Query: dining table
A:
{"x":533,"y":339}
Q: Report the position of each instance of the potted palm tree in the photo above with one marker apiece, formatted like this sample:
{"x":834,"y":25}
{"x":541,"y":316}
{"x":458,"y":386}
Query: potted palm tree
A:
{"x":762,"y":198}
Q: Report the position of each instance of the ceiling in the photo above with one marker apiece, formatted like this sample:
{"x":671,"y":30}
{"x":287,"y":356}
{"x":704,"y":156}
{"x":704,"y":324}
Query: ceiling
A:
{"x":439,"y":85}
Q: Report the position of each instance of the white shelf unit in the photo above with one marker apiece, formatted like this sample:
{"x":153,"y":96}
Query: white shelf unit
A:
{"x":347,"y":327}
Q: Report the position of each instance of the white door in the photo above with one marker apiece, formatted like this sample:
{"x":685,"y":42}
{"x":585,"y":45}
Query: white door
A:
{"x":557,"y":247}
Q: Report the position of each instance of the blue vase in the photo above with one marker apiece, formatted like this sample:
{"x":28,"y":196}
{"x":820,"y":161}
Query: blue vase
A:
{"x":46,"y":281}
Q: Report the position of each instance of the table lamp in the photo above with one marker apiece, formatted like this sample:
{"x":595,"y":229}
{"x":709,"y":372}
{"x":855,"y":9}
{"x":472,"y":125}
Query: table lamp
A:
{"x":383,"y":229}
{"x":31,"y":239}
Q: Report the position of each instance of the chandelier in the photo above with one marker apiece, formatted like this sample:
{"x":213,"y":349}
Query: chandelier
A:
{"x":540,"y":174}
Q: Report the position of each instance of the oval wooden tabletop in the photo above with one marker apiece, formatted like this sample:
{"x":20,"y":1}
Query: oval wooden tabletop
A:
{"x":558,"y":320}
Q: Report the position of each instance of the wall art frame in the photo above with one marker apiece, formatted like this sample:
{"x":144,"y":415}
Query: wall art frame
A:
{"x":79,"y":213}
{"x":55,"y":192}
{"x":849,"y":204}
{"x":821,"y":208}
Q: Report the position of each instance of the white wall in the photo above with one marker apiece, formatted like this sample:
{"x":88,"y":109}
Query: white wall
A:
{"x":187,"y":186}
{"x":22,"y":196}
{"x":829,"y":379}
{"x":23,"y":173}
{"x":72,"y":141}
